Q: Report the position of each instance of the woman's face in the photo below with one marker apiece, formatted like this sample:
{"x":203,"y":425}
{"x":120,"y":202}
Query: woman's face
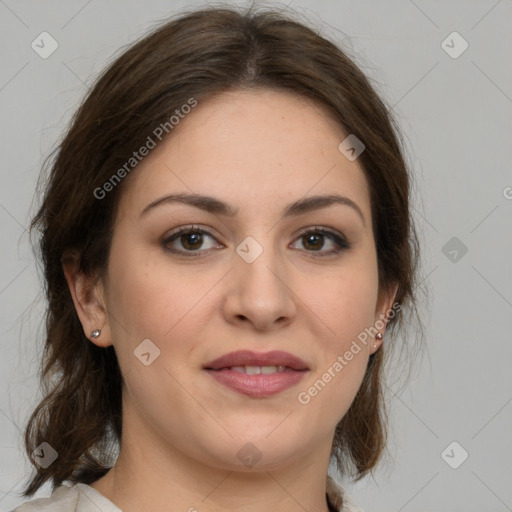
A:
{"x":250,"y":272}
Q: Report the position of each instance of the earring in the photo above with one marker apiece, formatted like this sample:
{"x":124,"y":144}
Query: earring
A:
{"x":96,"y":333}
{"x":379,"y":337}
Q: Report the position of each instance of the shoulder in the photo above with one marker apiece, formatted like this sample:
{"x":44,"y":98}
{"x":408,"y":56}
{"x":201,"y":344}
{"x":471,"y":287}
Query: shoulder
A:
{"x":63,"y":499}
{"x":339,"y":497}
{"x":70,"y":498}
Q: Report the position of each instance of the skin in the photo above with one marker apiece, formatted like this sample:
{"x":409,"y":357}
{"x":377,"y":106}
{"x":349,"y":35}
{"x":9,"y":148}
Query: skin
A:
{"x":258,"y":151}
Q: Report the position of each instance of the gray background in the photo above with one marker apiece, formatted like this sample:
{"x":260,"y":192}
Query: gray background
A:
{"x":455,"y":114}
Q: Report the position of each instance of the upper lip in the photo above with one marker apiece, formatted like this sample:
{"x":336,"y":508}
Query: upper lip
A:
{"x":249,"y":358}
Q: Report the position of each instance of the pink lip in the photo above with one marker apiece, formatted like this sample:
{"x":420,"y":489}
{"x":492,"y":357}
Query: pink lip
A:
{"x":261,"y":385}
{"x":249,"y":358}
{"x":258,"y":386}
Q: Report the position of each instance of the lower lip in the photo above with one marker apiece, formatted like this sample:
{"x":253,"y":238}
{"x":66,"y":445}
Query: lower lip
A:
{"x":260,"y":385}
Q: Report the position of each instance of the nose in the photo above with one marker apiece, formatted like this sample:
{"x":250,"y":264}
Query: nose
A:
{"x":259,"y":295}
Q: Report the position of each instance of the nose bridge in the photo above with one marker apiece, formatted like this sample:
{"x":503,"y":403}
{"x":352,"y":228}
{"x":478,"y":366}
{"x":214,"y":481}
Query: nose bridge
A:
{"x":257,"y":264}
{"x":259,"y":291}
{"x":260,"y":273}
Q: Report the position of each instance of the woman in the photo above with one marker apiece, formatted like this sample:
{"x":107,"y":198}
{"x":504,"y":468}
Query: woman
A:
{"x":228,"y":250}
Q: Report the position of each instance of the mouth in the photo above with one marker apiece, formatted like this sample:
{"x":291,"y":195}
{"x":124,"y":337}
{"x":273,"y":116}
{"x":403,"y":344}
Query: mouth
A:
{"x":256,"y":370}
{"x":257,"y":374}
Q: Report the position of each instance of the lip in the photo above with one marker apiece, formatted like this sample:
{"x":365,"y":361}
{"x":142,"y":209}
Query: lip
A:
{"x":250,"y":358}
{"x":257,"y":386}
{"x":262,"y":385}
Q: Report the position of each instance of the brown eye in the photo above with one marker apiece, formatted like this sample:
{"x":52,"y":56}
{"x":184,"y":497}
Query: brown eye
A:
{"x":190,"y":240}
{"x":322,"y":241}
{"x":313,"y":241}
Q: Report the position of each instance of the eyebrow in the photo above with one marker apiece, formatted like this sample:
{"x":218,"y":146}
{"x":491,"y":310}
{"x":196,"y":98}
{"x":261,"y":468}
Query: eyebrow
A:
{"x":218,"y":207}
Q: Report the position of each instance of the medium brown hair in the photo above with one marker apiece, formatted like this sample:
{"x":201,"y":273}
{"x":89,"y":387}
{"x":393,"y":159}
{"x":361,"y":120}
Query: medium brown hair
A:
{"x":198,"y":54}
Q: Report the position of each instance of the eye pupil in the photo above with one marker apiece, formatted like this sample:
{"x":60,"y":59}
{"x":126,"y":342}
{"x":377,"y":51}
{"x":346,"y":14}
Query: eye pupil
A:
{"x":192,"y":240}
{"x":312,"y":241}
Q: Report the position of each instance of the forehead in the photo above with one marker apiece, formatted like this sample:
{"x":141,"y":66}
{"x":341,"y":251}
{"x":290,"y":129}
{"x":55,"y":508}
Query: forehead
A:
{"x":253,"y":149}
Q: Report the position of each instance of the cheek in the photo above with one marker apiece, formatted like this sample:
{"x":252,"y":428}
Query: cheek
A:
{"x":344,"y":308}
{"x":149,"y":300}
{"x":149,"y":296}
{"x":343,"y":302}
{"x":152,"y":299}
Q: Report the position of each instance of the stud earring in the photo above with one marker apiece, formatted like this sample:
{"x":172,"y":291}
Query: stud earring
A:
{"x":379,"y":337}
{"x":96,"y":333}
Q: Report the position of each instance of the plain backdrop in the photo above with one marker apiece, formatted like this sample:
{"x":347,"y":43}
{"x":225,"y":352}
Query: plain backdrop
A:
{"x":454,"y":106}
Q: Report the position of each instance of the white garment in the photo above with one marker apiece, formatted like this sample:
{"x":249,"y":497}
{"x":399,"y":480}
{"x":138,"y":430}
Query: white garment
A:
{"x":70,"y":498}
{"x":84,"y":498}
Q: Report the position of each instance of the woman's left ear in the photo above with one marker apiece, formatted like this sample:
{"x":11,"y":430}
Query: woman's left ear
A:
{"x":386,"y":299}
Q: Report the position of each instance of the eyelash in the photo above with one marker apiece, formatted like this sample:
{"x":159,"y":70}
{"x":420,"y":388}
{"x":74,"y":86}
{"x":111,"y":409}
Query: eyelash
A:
{"x":339,"y":240}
